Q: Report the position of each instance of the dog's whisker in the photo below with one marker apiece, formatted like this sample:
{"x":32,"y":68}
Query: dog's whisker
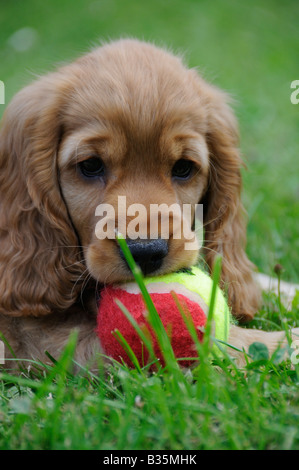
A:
{"x":80,"y":279}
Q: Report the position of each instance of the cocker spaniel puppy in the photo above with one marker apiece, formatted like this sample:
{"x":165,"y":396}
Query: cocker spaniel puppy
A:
{"x":130,"y":120}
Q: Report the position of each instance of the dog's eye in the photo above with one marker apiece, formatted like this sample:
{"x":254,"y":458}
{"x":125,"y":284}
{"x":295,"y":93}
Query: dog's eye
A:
{"x":182,"y":169}
{"x":92,"y":167}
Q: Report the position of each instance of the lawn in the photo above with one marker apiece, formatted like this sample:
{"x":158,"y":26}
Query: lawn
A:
{"x":251,"y":50}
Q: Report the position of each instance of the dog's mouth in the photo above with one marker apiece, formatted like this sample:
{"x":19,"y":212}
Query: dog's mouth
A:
{"x":108,"y":263}
{"x":98,"y":295}
{"x":148,"y":255}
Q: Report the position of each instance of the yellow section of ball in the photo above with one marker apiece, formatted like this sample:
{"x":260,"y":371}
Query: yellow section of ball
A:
{"x":197,"y":281}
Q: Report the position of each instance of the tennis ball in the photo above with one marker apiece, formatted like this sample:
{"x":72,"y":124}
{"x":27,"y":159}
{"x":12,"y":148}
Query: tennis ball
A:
{"x":192,"y":289}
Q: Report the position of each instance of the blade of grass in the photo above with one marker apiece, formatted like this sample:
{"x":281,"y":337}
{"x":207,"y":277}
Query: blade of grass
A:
{"x":202,"y":347}
{"x":61,"y":369}
{"x":189,"y":324}
{"x":25,"y":382}
{"x":127,"y":348}
{"x":208,"y":328}
{"x":142,"y":336}
{"x":153,"y":316}
{"x":199,"y":346}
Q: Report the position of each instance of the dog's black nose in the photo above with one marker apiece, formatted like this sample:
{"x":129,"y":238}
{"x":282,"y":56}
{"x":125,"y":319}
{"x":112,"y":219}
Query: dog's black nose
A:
{"x":148,"y":254}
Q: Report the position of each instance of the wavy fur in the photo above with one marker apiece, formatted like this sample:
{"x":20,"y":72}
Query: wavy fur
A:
{"x":137,"y":96}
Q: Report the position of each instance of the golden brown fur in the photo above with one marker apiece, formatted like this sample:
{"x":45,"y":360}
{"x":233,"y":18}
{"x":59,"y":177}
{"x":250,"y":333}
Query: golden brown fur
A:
{"x":141,"y":109}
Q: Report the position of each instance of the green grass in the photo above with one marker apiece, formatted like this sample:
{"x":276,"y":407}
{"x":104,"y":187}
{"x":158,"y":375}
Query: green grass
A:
{"x":251,"y":50}
{"x":214,"y":405}
{"x":223,"y":408}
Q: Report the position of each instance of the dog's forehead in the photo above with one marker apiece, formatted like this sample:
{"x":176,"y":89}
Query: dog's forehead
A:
{"x":135,"y":86}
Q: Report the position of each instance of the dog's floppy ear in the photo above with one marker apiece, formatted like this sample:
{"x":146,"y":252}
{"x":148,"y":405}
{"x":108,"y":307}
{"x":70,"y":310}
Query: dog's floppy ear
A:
{"x":39,"y":253}
{"x":224,"y":216}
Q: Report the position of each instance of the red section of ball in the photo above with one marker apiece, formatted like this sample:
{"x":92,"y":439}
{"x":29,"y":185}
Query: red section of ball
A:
{"x":110,"y":318}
